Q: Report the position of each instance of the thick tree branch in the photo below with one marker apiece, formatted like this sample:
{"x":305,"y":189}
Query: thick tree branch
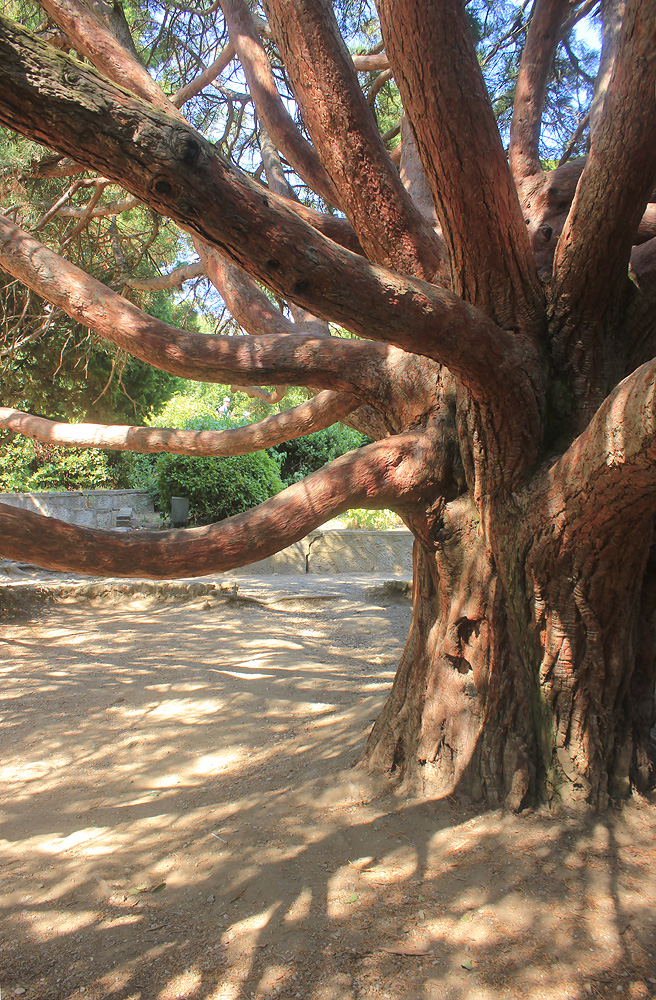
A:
{"x":605,"y":214}
{"x":541,"y":41}
{"x":277,"y":120}
{"x":169,"y":166}
{"x":608,"y":474}
{"x":95,"y":41}
{"x":317,"y":413}
{"x":344,"y":131}
{"x":474,"y":193}
{"x":271,"y":360}
{"x":389,"y":473}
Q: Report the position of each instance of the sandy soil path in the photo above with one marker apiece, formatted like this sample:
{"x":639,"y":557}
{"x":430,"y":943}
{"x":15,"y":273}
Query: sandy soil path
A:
{"x":179,"y":818}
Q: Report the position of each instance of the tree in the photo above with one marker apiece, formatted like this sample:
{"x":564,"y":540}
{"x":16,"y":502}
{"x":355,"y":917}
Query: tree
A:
{"x":502,"y":354}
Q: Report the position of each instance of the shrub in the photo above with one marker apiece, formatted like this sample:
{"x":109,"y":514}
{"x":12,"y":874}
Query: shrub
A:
{"x":307,"y":454}
{"x":30,"y":467}
{"x":218,"y":487}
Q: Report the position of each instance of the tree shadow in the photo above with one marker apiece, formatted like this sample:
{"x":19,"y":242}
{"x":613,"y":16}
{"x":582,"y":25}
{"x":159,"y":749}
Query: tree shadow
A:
{"x":180,"y":819}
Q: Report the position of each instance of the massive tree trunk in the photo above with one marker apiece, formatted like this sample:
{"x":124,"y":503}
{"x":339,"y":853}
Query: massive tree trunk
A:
{"x":529,"y":675}
{"x":500,"y":321}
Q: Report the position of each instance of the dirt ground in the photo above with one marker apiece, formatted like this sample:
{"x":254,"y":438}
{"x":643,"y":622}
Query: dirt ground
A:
{"x":179,"y":818}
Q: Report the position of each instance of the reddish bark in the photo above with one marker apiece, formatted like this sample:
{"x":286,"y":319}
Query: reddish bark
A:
{"x":541,"y":42}
{"x":334,"y":106}
{"x":277,"y":120}
{"x":321,"y":411}
{"x":589,"y":291}
{"x":486,"y":237}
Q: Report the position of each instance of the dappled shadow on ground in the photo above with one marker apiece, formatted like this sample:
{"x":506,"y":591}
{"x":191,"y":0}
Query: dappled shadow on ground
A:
{"x":180,"y":819}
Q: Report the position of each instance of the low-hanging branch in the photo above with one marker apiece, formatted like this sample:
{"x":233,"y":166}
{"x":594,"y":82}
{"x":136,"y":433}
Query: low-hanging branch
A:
{"x":384,"y":474}
{"x":271,"y":360}
{"x":315,"y":414}
{"x":172,"y":168}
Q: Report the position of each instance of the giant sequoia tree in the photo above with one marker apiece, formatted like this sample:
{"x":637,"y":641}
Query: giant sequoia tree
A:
{"x":503,"y":356}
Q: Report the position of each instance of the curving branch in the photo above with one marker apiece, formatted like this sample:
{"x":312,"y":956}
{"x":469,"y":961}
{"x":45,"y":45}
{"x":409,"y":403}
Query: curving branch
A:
{"x":272,"y":360}
{"x":606,"y":214}
{"x":384,"y":474}
{"x":542,"y":39}
{"x":317,"y":413}
{"x":209,"y":74}
{"x":277,"y":120}
{"x":344,"y":131}
{"x":462,"y":155}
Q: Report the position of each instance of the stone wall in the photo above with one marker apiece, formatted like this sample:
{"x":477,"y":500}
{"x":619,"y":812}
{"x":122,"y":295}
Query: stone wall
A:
{"x":88,"y":508}
{"x":336,"y":550}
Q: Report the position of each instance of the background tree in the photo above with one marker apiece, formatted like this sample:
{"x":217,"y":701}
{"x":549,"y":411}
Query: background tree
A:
{"x":506,"y":370}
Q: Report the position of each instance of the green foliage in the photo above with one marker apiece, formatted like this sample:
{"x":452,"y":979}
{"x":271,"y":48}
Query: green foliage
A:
{"x":305,"y":455}
{"x":26,"y":466}
{"x":218,"y":487}
{"x":373,"y":520}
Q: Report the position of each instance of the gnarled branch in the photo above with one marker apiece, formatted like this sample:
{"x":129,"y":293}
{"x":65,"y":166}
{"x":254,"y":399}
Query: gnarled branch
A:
{"x":389,"y":473}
